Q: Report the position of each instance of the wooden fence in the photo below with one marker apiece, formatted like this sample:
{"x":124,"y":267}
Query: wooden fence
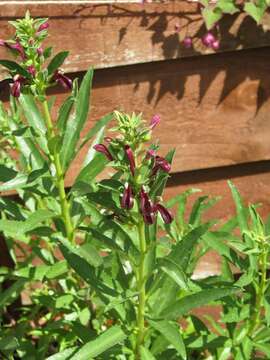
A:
{"x":214,"y":107}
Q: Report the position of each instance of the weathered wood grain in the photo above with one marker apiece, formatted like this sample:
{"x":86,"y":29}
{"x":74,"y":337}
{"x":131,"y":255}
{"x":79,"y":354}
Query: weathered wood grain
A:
{"x":214,"y":110}
{"x":107,"y":35}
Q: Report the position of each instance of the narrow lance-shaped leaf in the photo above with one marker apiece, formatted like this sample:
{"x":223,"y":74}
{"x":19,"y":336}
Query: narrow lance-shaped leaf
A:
{"x":190,"y":302}
{"x":76,"y":123}
{"x":105,"y":341}
{"x":172,"y":334}
{"x":57,"y":61}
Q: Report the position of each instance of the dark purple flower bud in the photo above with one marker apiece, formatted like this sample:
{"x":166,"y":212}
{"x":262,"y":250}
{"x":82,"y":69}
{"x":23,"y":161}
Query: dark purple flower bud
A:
{"x":40,"y":51}
{"x":150,"y":154}
{"x":161,"y":164}
{"x":17,"y":47}
{"x":16,"y":89}
{"x":208,"y":39}
{"x":127,"y":200}
{"x":131,"y":159}
{"x":32,"y":71}
{"x":187,"y":42}
{"x":215,"y":45}
{"x":43,"y":26}
{"x":62,"y":79}
{"x":104,"y":150}
{"x":165,"y":213}
{"x":147,"y":209}
{"x":154,"y":121}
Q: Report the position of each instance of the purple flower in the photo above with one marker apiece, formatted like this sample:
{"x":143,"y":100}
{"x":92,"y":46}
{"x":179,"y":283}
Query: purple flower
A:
{"x":17,"y":47}
{"x":32,"y":71}
{"x":215,"y":45}
{"x":146,"y":207}
{"x":16,"y":89}
{"x":131,"y":159}
{"x":187,"y":42}
{"x":161,"y":164}
{"x":127,"y":200}
{"x":154,"y":121}
{"x":40,"y":51}
{"x":104,"y":150}
{"x":150,"y":154}
{"x":43,"y":26}
{"x":62,"y":79}
{"x":2,"y":42}
{"x":165,"y":213}
{"x":208,"y":39}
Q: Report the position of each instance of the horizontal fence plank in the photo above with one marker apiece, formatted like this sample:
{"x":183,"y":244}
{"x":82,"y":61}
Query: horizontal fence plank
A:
{"x":214,"y":110}
{"x":108,"y":35}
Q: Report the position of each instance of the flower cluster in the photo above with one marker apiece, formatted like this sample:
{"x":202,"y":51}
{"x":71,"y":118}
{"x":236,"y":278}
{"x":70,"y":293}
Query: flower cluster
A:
{"x":140,"y":167}
{"x":28,"y":74}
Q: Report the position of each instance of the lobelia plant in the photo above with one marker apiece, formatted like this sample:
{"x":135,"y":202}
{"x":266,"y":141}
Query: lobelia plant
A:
{"x":115,"y":271}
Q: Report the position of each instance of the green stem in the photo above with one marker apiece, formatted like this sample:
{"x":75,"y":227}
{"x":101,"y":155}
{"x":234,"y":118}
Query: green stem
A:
{"x":55,"y":158}
{"x":255,"y":320}
{"x":141,"y":290}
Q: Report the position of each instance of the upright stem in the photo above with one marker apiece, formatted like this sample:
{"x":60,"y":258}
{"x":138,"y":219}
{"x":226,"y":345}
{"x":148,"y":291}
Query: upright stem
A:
{"x":255,"y":319}
{"x":55,"y":158}
{"x":141,"y":289}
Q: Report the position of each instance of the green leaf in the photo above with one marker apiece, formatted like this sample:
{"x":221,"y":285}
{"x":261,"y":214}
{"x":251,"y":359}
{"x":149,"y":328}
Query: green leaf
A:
{"x":12,"y":293}
{"x":64,"y":355}
{"x":227,"y":6}
{"x":6,"y":173}
{"x":76,"y":123}
{"x":174,"y":271}
{"x":182,"y":251}
{"x":92,"y":169}
{"x":172,"y":334}
{"x":256,"y":12}
{"x":101,"y":123}
{"x":64,"y":113}
{"x":190,"y":302}
{"x":240,"y":208}
{"x":57,"y":61}
{"x":34,"y":118}
{"x":13,"y":66}
{"x":9,"y":343}
{"x":265,"y":348}
{"x":146,"y":354}
{"x":211,"y":16}
{"x":105,"y":341}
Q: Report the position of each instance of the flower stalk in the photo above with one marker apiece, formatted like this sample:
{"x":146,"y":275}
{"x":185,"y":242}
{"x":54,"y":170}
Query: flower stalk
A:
{"x":141,"y":290}
{"x":59,"y":178}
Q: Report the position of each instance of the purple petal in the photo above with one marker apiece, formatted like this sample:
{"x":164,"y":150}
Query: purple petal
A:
{"x":131,"y":159}
{"x":16,"y":89}
{"x":165,"y":214}
{"x":187,"y":42}
{"x":62,"y":79}
{"x":161,"y":163}
{"x":127,"y":200}
{"x":40,"y":51}
{"x":43,"y":26}
{"x":154,"y":121}
{"x":208,"y":39}
{"x":2,"y":42}
{"x":147,"y":210}
{"x":215,"y":45}
{"x":31,"y":69}
{"x":17,"y":47}
{"x":104,"y":150}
